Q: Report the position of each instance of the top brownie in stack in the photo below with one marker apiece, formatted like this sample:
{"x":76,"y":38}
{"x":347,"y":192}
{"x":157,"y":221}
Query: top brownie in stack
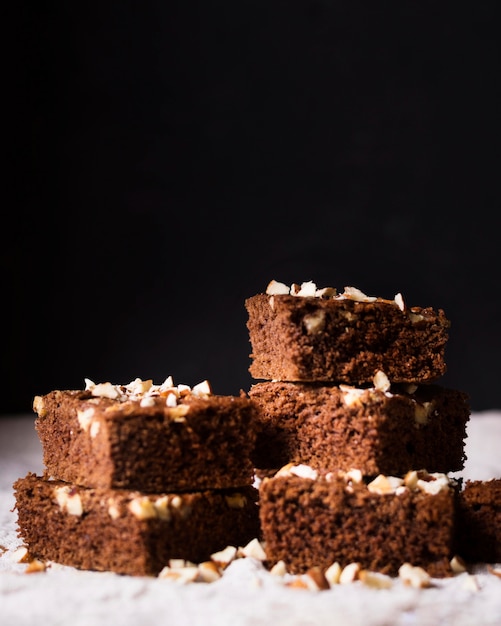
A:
{"x":303,"y":333}
{"x":154,"y":438}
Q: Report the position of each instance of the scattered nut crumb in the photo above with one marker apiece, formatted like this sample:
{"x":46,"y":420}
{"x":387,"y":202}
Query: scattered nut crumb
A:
{"x":318,"y":579}
{"x":376,"y":580}
{"x":333,"y":573}
{"x":35,"y":566}
{"x":209,"y":572}
{"x":414,"y":576}
{"x":458,"y":566}
{"x":253,"y":549}
{"x":224,"y":557}
{"x":349,"y":573}
{"x":279,"y":569}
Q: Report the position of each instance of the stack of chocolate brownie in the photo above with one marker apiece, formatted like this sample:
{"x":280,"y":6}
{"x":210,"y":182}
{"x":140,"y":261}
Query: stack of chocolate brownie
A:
{"x":356,"y":439}
{"x":139,"y":474}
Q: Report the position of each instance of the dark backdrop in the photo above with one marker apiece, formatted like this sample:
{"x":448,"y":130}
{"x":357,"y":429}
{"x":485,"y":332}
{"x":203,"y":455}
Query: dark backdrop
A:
{"x":170,"y":158}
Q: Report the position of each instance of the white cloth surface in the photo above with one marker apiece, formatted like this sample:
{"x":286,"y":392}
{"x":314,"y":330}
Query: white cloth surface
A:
{"x":247,"y":594}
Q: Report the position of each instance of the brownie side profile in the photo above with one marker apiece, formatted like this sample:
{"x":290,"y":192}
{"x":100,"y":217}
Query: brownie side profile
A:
{"x":313,"y":520}
{"x":129,"y":532}
{"x":344,"y":338}
{"x":479,"y":525}
{"x":146,"y":437}
{"x":374,"y":430}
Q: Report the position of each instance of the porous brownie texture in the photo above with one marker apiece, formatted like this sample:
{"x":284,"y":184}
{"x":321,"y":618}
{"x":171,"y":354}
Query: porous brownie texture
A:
{"x":374,"y":430}
{"x":479,"y":524}
{"x":147,"y":437}
{"x":344,"y":338}
{"x":313,"y":520}
{"x":130,"y":532}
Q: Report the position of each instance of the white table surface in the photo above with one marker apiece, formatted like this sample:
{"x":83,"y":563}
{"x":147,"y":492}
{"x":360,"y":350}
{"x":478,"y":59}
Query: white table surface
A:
{"x":246,"y":594}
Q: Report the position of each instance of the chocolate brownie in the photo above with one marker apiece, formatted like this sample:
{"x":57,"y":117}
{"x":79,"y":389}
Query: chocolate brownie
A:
{"x":479,"y":525}
{"x":130,"y":532}
{"x":309,"y":334}
{"x":313,"y":519}
{"x":383,"y":429}
{"x":149,"y":437}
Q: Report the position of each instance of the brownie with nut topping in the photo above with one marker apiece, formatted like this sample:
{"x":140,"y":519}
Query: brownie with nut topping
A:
{"x":148,"y":437}
{"x":130,"y":532}
{"x":315,"y":519}
{"x":479,"y":532}
{"x":301,"y":333}
{"x":377,"y":429}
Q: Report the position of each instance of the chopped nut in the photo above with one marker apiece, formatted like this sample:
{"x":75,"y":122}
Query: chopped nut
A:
{"x":208,"y":571}
{"x":183,"y":574}
{"x":171,"y":399}
{"x":352,"y":396}
{"x":139,"y":387}
{"x":105,"y":390}
{"x":253,"y":549}
{"x":399,"y":301}
{"x":113,"y":510}
{"x":69,"y":500}
{"x":35,"y":566}
{"x":422,"y":412}
{"x":202,"y":389}
{"x":458,"y":566}
{"x":434,"y":483}
{"x":178,"y":413}
{"x":318,"y":579}
{"x":352,"y":475}
{"x":142,"y":508}
{"x":94,"y":429}
{"x":383,"y":485}
{"x":279,"y":569}
{"x":39,"y":406}
{"x":85,"y":416}
{"x":301,"y":470}
{"x":381,"y":381}
{"x":224,"y":557}
{"x":416,"y":317}
{"x":349,"y":573}
{"x":333,"y":573}
{"x":314,"y":322}
{"x":414,"y":576}
{"x":176,"y":502}
{"x":308,"y":289}
{"x":326,"y":292}
{"x":411,"y":480}
{"x":276,"y":288}
{"x":162,"y":508}
{"x":376,"y":580}
{"x":352,"y":293}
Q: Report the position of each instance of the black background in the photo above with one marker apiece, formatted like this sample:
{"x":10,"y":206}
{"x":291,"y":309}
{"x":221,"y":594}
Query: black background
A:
{"x":170,"y":158}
